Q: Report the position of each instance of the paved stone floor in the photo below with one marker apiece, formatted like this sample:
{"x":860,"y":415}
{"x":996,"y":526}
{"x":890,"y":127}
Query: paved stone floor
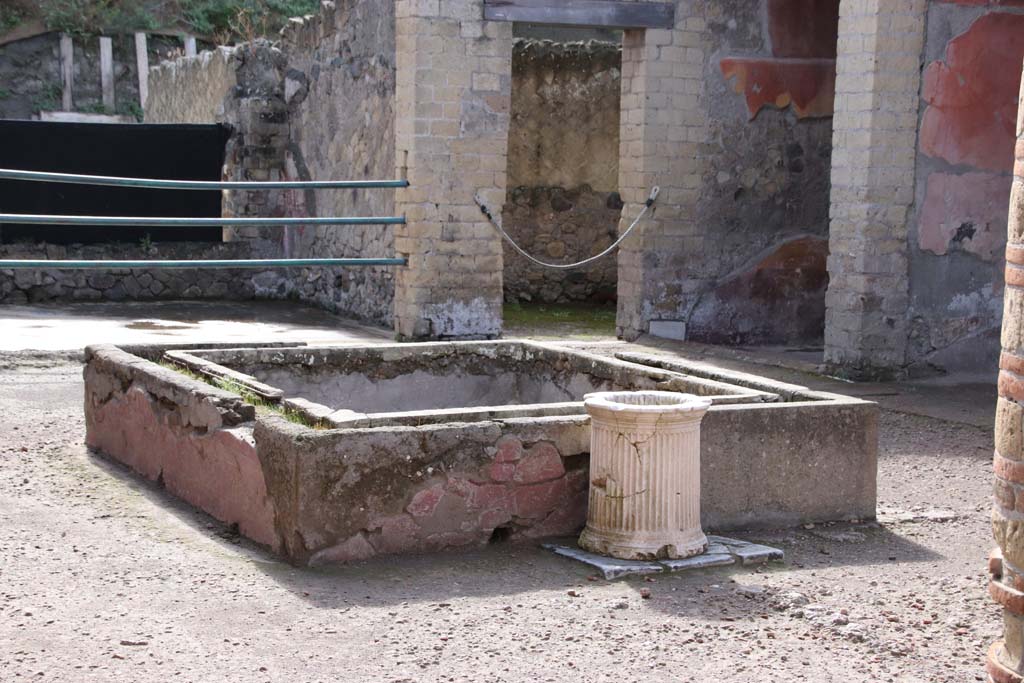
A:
{"x":106,"y":578}
{"x":71,"y":327}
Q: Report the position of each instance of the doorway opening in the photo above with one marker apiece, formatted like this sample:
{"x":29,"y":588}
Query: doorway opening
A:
{"x":563,"y":203}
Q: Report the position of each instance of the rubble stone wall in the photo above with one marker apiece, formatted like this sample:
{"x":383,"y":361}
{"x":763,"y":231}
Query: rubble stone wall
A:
{"x":31,"y":78}
{"x":563,"y":165}
{"x":191,"y":89}
{"x":339,"y":89}
{"x":316,"y":105}
{"x":137,"y":284}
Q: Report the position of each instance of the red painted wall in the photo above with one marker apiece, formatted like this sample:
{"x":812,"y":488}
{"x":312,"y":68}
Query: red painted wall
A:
{"x":802,"y":68}
{"x":969,"y":121}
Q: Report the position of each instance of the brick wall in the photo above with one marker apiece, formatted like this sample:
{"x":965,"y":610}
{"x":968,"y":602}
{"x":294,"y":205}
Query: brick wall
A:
{"x":875,"y":130}
{"x":451,"y":129}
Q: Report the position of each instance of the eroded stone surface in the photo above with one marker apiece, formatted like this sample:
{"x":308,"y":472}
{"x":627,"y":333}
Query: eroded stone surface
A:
{"x":966,"y":212}
{"x":215,"y":469}
{"x":778,"y":299}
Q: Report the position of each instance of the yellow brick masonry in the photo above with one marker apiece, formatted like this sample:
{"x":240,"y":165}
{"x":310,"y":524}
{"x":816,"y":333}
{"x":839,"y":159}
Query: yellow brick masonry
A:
{"x":663,"y":125}
{"x":874,"y":138}
{"x":1007,"y":562}
{"x":452,"y":111}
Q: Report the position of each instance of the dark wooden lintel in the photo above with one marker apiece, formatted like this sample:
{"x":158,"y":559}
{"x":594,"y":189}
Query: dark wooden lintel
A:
{"x":604,"y":13}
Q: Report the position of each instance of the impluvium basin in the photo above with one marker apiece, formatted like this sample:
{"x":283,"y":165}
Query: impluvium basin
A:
{"x":333,"y":454}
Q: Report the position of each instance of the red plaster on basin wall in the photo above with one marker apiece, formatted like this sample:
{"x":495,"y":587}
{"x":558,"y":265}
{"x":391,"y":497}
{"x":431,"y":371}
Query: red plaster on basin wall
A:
{"x":970,"y":210}
{"x":218,"y":472}
{"x":972,"y":95}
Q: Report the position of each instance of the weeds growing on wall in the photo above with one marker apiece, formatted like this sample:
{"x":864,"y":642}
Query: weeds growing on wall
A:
{"x":85,"y":17}
{"x":260,"y":403}
{"x":130,"y":108}
{"x":10,"y":17}
{"x":233,"y":20}
{"x":48,"y":98}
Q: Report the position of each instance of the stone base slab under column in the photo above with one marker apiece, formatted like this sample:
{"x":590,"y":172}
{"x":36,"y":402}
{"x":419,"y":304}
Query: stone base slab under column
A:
{"x":721,"y":552}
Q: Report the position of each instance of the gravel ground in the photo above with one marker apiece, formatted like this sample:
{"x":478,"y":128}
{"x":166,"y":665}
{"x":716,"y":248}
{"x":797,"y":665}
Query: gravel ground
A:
{"x":105,"y":578}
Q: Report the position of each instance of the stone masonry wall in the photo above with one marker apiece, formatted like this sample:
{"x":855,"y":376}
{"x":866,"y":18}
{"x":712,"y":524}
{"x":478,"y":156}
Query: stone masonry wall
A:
{"x":340,"y":87}
{"x":563,"y":164}
{"x":191,"y":89}
{"x":770,"y":85}
{"x":317,"y":105}
{"x":729,"y":114}
{"x":137,"y":284}
{"x":451,"y":128}
{"x":972,"y":68}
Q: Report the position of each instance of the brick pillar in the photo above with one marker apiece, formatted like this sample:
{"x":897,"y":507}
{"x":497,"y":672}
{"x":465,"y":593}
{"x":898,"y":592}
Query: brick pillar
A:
{"x":663,"y":123}
{"x":453,"y":95}
{"x":1007,"y":565}
{"x":873,"y":151}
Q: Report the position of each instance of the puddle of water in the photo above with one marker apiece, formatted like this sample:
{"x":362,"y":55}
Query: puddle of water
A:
{"x":157,"y":325}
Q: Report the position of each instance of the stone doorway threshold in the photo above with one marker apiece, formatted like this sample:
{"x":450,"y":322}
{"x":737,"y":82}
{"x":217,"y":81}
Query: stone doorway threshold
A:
{"x":721,"y":552}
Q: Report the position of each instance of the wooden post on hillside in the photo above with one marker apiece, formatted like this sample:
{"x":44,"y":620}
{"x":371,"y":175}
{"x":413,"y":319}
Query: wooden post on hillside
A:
{"x":67,"y":70}
{"x":107,"y":72}
{"x":142,"y":65}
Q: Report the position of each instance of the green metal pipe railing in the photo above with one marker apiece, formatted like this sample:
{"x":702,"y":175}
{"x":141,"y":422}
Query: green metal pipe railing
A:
{"x":161,"y":184}
{"x":154,"y":222}
{"x":131,"y":221}
{"x":223,"y":263}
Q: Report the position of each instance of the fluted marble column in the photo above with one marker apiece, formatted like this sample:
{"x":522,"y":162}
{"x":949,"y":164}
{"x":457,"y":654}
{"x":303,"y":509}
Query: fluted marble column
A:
{"x":644,"y":475}
{"x":1006,"y":657}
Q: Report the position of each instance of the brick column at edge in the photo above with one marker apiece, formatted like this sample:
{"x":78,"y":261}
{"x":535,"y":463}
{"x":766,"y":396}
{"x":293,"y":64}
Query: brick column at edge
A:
{"x":663,"y":124}
{"x":878,"y":74}
{"x":1007,"y":562}
{"x":453,"y":96}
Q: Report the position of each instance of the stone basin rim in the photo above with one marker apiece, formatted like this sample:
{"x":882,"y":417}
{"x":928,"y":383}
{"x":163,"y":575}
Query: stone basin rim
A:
{"x":661,"y":402}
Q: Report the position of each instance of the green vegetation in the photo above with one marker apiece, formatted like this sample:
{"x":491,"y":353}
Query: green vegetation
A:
{"x":559,"y":321}
{"x":10,"y":18}
{"x":89,"y":17}
{"x":261,"y":404}
{"x":133,"y":109}
{"x":222,"y":21}
{"x":48,"y":98}
{"x":233,"y":20}
{"x":4,"y":93}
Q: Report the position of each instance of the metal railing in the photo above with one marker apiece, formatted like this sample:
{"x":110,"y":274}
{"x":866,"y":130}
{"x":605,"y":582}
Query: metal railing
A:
{"x":152,"y":221}
{"x":162,"y":184}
